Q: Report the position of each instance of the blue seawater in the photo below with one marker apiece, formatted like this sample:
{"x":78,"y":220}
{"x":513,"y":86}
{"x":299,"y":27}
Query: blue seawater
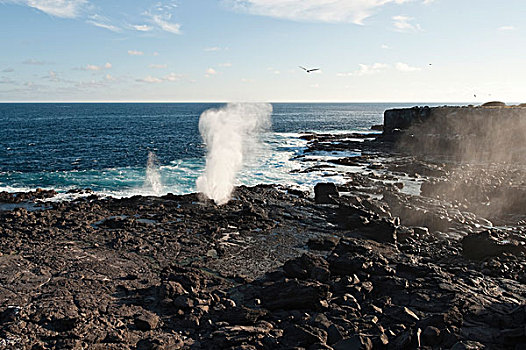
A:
{"x":105,"y":146}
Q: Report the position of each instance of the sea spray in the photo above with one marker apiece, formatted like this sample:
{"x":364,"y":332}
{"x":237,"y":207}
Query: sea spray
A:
{"x":229,"y":134}
{"x":153,"y":176}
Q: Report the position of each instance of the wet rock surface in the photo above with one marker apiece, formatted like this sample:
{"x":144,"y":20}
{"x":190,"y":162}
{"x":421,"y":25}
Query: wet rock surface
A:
{"x":392,"y":257}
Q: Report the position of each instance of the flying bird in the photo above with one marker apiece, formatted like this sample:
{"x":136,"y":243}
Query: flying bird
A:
{"x":309,"y":70}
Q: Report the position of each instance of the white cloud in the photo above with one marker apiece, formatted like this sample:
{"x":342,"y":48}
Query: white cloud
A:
{"x":163,"y":21}
{"x":155,"y":80}
{"x":366,"y":69}
{"x":34,"y":62}
{"x":172,"y":77}
{"x":104,"y":25}
{"x":135,"y":53}
{"x":506,"y":28}
{"x":156,"y":53}
{"x":150,"y":79}
{"x":226,"y":64}
{"x":143,"y":28}
{"x":6,"y":80}
{"x":212,"y":49}
{"x":53,"y":75}
{"x":335,"y":11}
{"x":210,"y":72}
{"x":8,"y":70}
{"x":160,"y":17}
{"x":376,"y":68}
{"x":402,"y":24}
{"x":109,"y":77}
{"x":385,"y":47}
{"x":102,"y":22}
{"x":404,"y":67}
{"x":371,"y":69}
{"x":57,"y":8}
{"x":92,"y":84}
{"x":158,"y":66}
{"x":93,"y":67}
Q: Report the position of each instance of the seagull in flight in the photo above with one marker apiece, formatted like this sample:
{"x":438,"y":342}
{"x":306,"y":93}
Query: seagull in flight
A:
{"x":309,"y":70}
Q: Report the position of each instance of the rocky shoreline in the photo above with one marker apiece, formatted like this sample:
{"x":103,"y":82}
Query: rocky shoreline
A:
{"x":410,"y":252}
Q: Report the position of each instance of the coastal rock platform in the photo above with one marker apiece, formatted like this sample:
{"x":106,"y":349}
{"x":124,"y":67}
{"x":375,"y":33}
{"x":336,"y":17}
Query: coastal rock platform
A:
{"x":408,"y":252}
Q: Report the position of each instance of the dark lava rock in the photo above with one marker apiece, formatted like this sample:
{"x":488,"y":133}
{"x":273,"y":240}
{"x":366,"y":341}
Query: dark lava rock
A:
{"x":64,"y":324}
{"x":303,"y":336}
{"x":355,"y":342}
{"x":494,"y":104}
{"x":124,"y":284}
{"x":489,"y":243}
{"x":334,"y":335}
{"x":431,"y":336}
{"x":348,"y":161}
{"x":308,"y":266}
{"x":383,"y":231}
{"x":322,"y":243}
{"x":294,"y":294}
{"x":242,"y":315}
{"x":325,"y":193}
{"x":146,"y":321}
{"x":468,"y":345}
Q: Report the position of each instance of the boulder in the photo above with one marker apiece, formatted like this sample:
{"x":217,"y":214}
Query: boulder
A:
{"x":325,"y":193}
{"x":323,"y":243}
{"x":307,"y":266}
{"x":490,"y":243}
{"x":294,"y":294}
{"x":146,"y":321}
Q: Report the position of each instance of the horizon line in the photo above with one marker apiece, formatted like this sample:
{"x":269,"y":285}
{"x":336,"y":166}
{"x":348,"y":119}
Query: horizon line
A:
{"x":292,"y":101}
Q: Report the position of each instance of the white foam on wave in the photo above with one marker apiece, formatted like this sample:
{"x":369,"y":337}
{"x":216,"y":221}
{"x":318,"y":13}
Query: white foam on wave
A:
{"x":275,"y":163}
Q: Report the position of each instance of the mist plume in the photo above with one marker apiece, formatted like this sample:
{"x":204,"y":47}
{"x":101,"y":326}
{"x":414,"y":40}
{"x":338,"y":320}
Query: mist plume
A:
{"x":229,"y":134}
{"x":484,"y":148}
{"x":153,"y":177}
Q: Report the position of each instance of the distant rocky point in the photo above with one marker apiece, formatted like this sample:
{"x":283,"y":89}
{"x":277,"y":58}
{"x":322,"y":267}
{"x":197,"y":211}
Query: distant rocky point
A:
{"x":492,"y":131}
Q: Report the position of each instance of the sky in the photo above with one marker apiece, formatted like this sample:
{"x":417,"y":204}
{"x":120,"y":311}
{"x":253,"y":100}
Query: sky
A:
{"x":251,"y":50}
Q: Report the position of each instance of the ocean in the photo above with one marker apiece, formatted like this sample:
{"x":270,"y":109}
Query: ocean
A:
{"x":106,"y":146}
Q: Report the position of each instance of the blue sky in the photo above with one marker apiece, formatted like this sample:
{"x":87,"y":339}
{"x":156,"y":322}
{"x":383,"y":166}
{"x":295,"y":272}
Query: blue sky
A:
{"x":250,"y":50}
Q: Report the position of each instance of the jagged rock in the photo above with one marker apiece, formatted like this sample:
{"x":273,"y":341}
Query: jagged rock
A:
{"x":468,"y":345}
{"x":322,"y":243}
{"x":383,"y":231}
{"x":303,"y":336}
{"x":307,"y":266}
{"x":241,"y":315}
{"x":294,"y":294}
{"x":64,"y":324}
{"x":146,"y":321}
{"x":325,"y":193}
{"x":431,"y":336}
{"x":488,"y":243}
{"x":355,"y":342}
{"x":78,"y":284}
{"x":334,"y":335}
